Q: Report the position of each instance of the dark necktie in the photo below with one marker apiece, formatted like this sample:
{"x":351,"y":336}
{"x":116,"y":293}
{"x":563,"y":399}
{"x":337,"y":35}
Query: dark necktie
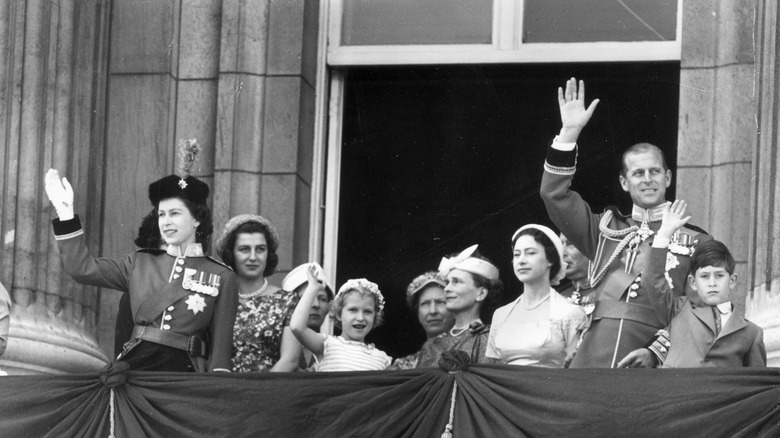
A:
{"x":716,"y":312}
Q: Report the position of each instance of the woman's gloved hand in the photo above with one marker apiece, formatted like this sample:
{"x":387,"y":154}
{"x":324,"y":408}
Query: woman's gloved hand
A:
{"x":60,"y":194}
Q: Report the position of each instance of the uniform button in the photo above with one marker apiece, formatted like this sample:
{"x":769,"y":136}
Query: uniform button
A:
{"x":168,"y":317}
{"x":634,"y":286}
{"x":175,"y":276}
{"x":632,"y":294}
{"x":178,"y":269}
{"x":166,"y":327}
{"x":668,"y":344}
{"x":180,"y":261}
{"x":170,"y":308}
{"x":663,"y":350}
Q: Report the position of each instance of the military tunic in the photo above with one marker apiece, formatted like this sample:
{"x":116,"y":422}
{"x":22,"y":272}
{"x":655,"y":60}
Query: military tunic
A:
{"x":624,"y":317}
{"x":172,"y":297}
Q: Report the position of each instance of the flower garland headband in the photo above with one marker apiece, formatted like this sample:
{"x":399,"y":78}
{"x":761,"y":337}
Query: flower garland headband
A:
{"x":465,"y":262}
{"x":361,"y":284}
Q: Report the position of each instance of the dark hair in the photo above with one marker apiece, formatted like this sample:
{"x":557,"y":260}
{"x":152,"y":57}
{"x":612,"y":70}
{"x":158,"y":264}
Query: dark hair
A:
{"x":149,"y":232}
{"x":638,"y":149}
{"x":711,"y":253}
{"x":199,"y":210}
{"x":251,"y":227}
{"x":550,"y":251}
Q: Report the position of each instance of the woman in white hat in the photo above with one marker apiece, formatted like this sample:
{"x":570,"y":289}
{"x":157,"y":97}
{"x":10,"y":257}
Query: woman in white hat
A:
{"x":540,"y":328}
{"x":472,"y":283}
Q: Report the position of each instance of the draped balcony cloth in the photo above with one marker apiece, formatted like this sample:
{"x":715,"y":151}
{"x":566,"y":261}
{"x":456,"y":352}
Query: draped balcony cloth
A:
{"x":491,"y":400}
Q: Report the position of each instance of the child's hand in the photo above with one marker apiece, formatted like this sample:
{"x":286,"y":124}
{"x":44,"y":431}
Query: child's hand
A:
{"x":674,"y":218}
{"x":311,"y":274}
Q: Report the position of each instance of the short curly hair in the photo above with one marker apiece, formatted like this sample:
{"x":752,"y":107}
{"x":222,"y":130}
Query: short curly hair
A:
{"x":248,"y":225}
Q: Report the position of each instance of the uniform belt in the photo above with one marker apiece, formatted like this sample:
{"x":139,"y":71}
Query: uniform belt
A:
{"x":622,"y":310}
{"x":193,"y":345}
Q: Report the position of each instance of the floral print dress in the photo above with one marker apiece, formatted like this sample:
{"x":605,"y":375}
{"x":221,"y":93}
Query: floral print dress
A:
{"x":257,"y":333}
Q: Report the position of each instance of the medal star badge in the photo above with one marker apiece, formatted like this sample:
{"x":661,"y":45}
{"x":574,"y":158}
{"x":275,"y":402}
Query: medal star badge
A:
{"x":671,"y":263}
{"x":196,"y":303}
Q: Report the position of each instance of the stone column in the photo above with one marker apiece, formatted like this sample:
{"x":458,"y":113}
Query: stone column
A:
{"x":238,"y":75}
{"x":763,"y":300}
{"x":265,"y":122}
{"x":717,"y":126}
{"x":51,"y":93}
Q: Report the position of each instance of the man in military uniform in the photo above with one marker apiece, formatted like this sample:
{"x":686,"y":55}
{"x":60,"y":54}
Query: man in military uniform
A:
{"x":578,"y":290}
{"x":624,"y":318}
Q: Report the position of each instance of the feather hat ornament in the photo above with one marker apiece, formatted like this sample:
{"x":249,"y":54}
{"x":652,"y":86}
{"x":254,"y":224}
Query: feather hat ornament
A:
{"x":187,"y":159}
{"x":182,"y":184}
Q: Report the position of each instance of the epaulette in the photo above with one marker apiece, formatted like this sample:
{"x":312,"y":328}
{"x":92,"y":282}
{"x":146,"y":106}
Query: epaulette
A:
{"x":616,"y":212}
{"x":218,"y":262}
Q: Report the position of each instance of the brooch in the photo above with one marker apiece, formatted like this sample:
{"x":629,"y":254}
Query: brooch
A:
{"x":202,"y":285}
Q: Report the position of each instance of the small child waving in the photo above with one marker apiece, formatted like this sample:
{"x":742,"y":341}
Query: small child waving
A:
{"x":357,"y":308}
{"x":704,"y":332}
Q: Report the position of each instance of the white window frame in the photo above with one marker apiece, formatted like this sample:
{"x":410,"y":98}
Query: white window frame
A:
{"x":506,"y":47}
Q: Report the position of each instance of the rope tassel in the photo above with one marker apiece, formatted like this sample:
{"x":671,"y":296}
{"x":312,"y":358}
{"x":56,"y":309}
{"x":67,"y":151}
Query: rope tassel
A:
{"x":448,"y":429}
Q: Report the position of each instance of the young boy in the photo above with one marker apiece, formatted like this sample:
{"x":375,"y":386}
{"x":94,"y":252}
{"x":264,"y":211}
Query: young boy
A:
{"x":704,"y":331}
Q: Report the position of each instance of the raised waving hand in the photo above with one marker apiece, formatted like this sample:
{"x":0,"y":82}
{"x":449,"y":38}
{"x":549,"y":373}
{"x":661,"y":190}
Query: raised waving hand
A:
{"x":574,"y":114}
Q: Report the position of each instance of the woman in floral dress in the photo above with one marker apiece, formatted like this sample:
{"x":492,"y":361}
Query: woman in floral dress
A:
{"x":262,"y":339}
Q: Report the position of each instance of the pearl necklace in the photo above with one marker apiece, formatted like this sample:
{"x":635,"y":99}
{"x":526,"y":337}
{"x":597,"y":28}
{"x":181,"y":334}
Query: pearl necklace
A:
{"x":258,"y":292}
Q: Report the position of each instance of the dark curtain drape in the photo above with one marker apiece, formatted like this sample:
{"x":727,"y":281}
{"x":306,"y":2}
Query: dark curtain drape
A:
{"x":491,"y":400}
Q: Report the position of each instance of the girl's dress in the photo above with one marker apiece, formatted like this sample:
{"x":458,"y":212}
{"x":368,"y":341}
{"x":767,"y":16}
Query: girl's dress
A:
{"x":340,"y":354}
{"x":257,"y":333}
{"x":539,"y":336}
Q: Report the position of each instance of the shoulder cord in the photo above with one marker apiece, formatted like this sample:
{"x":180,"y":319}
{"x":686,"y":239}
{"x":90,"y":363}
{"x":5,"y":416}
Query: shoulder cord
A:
{"x":626,"y":234}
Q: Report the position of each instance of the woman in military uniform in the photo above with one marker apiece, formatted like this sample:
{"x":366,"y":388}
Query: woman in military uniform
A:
{"x":183,"y":302}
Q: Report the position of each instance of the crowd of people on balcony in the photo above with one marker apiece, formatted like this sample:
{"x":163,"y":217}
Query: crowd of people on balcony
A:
{"x":645,"y":289}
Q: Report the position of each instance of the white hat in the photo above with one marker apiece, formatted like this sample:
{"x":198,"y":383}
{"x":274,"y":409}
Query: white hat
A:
{"x":556,"y":241}
{"x":298,"y":276}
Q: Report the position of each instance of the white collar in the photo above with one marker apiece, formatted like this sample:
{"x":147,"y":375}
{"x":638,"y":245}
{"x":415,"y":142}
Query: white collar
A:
{"x":724,"y":308}
{"x":192,"y":250}
{"x":649,"y":215}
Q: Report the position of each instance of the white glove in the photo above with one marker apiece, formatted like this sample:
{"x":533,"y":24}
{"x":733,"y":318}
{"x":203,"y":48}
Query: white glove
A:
{"x":60,"y":194}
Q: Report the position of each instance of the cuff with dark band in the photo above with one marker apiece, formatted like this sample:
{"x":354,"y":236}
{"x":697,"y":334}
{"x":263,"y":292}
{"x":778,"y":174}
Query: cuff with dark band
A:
{"x":67,"y":229}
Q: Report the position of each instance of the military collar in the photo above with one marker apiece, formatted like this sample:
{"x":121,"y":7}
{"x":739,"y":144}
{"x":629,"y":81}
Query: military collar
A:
{"x":650,"y":215}
{"x":193,"y":250}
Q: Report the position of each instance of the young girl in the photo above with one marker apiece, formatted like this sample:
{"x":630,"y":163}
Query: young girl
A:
{"x":358,"y":309}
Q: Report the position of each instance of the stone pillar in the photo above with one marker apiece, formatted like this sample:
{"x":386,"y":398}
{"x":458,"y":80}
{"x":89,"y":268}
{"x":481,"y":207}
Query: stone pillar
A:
{"x":717,"y":126}
{"x":51,"y":91}
{"x":238,"y":75}
{"x":763,"y":300}
{"x":265,"y":120}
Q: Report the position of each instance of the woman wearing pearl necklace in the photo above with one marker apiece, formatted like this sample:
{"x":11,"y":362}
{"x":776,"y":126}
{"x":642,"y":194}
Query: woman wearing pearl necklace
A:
{"x":262,"y":339}
{"x":541,"y":327}
{"x":472,"y":285}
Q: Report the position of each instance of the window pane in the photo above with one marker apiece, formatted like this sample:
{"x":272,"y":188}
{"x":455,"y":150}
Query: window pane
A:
{"x":566,"y":21}
{"x":384,"y":22}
